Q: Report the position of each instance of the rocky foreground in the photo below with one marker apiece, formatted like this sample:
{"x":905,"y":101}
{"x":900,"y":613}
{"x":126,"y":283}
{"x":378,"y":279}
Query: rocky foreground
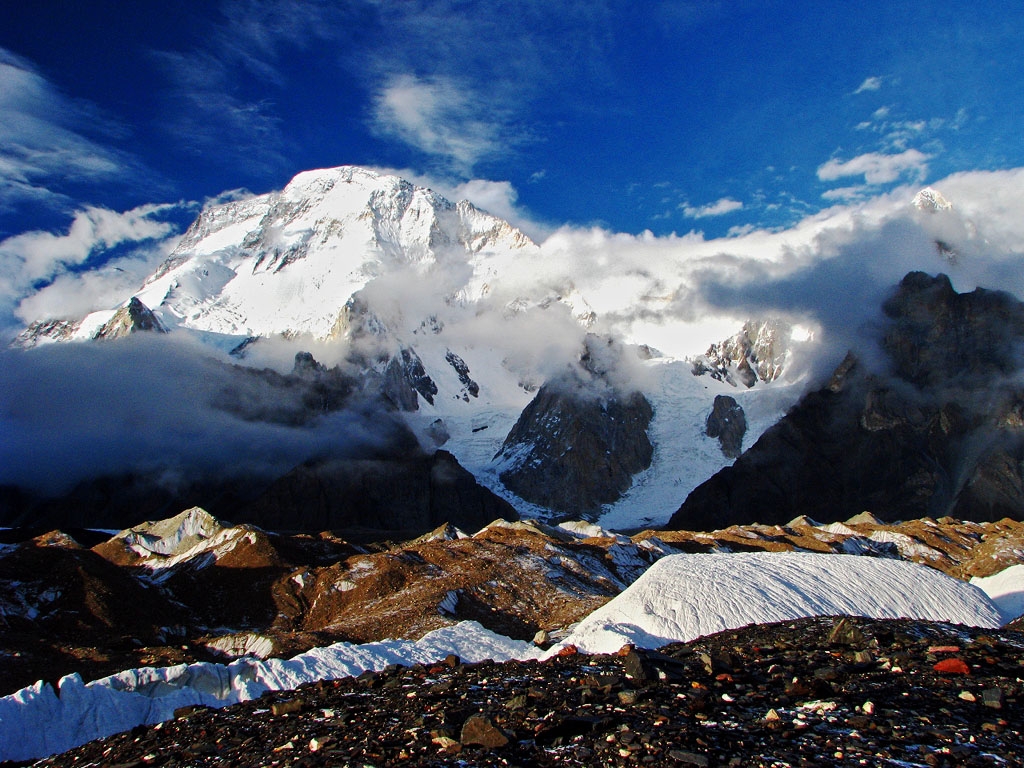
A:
{"x":194,"y":589}
{"x":820,"y":691}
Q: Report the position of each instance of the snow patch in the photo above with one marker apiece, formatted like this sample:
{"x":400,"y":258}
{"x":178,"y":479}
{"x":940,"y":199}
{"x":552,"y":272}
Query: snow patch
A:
{"x":682,"y":597}
{"x":1006,"y":589}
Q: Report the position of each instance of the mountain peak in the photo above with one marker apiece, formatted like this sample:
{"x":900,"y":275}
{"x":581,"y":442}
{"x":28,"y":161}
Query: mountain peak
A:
{"x":131,"y":318}
{"x":287,"y":262}
{"x":931,"y":200}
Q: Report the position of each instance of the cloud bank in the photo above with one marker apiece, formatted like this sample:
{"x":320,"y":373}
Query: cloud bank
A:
{"x":148,"y":403}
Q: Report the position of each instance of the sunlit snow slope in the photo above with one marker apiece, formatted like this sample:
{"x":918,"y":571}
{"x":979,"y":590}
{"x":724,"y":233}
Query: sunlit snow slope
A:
{"x":682,"y":597}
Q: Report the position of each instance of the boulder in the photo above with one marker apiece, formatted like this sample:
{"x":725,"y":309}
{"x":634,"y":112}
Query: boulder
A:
{"x":728,"y":423}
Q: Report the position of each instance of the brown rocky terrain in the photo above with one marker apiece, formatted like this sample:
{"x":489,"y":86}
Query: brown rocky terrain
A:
{"x":814,"y":692}
{"x":192,"y":588}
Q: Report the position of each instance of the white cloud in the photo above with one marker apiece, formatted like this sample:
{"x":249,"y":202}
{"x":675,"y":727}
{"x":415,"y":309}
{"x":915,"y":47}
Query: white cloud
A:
{"x":440,"y":117}
{"x":41,"y":254}
{"x":720,"y":207}
{"x":41,"y":138}
{"x":869,"y":84}
{"x":858,"y":192}
{"x":76,"y":294}
{"x":878,"y":168}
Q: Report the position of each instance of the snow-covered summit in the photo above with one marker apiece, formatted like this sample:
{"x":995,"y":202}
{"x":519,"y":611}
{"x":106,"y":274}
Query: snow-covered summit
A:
{"x":931,"y":200}
{"x":287,"y":262}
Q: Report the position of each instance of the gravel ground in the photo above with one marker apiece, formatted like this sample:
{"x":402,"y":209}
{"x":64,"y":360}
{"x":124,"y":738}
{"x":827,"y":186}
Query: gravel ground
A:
{"x":824,"y":691}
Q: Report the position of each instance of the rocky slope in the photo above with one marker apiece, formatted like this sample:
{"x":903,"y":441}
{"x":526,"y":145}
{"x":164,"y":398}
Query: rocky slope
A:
{"x":937,"y":433}
{"x":810,"y":692}
{"x":193,"y":588}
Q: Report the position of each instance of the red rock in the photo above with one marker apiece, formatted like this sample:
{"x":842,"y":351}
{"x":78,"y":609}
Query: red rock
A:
{"x":478,"y":730}
{"x":569,"y":650}
{"x":952,"y":666}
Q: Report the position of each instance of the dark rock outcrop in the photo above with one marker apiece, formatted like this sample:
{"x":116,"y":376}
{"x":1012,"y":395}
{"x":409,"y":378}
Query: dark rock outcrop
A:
{"x":728,"y":423}
{"x":410,"y":496}
{"x":294,"y":399}
{"x":939,"y":434}
{"x":129,"y":319}
{"x":939,"y":338}
{"x":400,"y":379}
{"x":470,"y":387}
{"x":572,"y":452}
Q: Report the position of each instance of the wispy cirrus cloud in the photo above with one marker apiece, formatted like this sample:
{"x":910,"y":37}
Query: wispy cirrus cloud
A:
{"x":870,"y":84}
{"x":877,"y":167}
{"x":720,"y":207}
{"x":439,"y":117}
{"x":220,"y":101}
{"x":43,"y":139}
{"x":209,"y":117}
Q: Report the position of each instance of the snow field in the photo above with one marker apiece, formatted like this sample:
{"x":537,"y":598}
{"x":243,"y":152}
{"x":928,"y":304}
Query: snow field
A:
{"x":1006,"y":589}
{"x":683,"y":597}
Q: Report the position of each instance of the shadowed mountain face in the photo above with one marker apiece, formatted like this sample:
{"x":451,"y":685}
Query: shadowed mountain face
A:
{"x":573,"y":452}
{"x":940,"y":433}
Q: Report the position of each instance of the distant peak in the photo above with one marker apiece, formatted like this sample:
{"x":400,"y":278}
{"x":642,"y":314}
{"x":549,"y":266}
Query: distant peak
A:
{"x":931,"y":200}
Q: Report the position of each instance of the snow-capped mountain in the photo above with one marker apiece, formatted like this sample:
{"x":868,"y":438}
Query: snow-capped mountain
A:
{"x":458,"y":321}
{"x":288,"y":262}
{"x":445,"y":307}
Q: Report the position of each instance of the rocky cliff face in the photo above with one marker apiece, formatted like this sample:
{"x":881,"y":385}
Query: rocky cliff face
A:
{"x":938,"y":433}
{"x":573,"y":452}
{"x":407,"y":496}
{"x":757,"y":353}
{"x":405,"y":493}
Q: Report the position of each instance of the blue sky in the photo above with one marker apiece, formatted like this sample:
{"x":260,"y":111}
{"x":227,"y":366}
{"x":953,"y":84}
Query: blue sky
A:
{"x":633,"y":116}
